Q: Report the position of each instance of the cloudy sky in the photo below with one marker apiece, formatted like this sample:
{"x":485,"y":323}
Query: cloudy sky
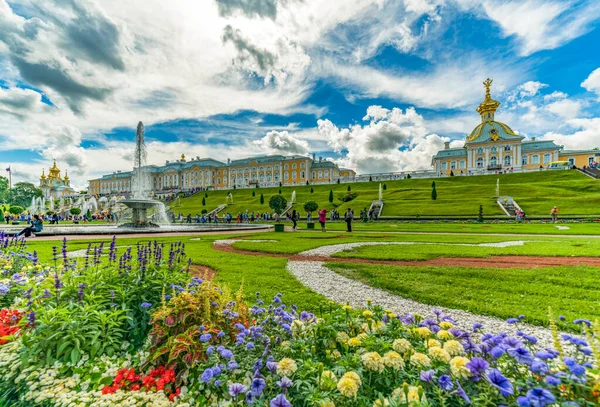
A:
{"x":377,"y":85}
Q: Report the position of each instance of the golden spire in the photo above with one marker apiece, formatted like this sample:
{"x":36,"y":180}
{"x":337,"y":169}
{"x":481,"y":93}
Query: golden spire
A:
{"x":43,"y":174}
{"x":182,"y":157}
{"x":54,"y":171}
{"x":488,"y":107}
{"x":66,"y":176}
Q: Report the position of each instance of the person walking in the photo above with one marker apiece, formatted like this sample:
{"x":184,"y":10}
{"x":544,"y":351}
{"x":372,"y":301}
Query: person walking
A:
{"x":554,"y":214}
{"x":348,"y":218}
{"x":293,"y":218}
{"x":37,"y":225}
{"x":322,"y":218}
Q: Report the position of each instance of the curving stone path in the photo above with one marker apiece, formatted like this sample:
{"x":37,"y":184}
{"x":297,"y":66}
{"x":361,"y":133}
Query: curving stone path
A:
{"x":309,"y":268}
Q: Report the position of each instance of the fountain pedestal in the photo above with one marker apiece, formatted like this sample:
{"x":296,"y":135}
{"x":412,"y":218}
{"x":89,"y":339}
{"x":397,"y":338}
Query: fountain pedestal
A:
{"x":139,"y":208}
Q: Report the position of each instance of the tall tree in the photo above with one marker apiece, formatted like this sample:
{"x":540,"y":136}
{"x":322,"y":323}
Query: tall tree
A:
{"x":433,"y":191}
{"x":22,"y":192}
{"x":330,"y":195}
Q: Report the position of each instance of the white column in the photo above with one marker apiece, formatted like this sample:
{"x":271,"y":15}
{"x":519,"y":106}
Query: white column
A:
{"x":281,"y":172}
{"x":487,"y":157}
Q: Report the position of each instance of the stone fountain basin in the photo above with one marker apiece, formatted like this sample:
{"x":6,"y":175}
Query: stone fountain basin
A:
{"x":140,"y":203}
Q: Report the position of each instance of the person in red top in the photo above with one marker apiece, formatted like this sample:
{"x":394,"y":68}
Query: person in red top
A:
{"x":323,"y":218}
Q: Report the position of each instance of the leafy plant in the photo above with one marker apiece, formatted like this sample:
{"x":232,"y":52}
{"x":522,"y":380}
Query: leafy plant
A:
{"x":278,"y":203}
{"x":15,"y":210}
{"x":75,"y":211}
{"x":311,"y":206}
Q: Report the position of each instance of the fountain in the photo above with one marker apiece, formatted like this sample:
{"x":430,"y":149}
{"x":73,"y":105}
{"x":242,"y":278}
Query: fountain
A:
{"x":380,"y":192}
{"x":293,"y":200}
{"x":229,"y":199}
{"x":140,"y":201}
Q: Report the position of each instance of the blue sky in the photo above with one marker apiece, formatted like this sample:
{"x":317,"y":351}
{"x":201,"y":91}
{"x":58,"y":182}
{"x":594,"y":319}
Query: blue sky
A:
{"x":376,"y":85}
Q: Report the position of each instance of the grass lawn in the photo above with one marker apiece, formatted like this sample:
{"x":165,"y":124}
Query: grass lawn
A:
{"x":570,"y":291}
{"x":536,"y":193}
{"x":572,"y":247}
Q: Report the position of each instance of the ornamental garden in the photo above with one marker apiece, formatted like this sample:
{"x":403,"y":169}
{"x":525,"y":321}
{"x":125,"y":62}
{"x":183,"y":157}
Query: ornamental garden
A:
{"x":483,"y":315}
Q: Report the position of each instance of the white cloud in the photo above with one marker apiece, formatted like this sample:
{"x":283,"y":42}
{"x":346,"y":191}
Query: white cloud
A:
{"x":566,"y":108}
{"x":282,"y":142}
{"x":539,"y":24}
{"x":584,"y":137}
{"x":592,"y":82}
{"x":393,"y":140}
{"x":555,"y":95}
{"x":530,"y":88}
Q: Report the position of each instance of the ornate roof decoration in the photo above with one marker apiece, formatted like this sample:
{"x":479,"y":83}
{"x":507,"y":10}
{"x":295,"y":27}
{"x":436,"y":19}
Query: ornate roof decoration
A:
{"x":54,"y":171}
{"x":488,"y":107}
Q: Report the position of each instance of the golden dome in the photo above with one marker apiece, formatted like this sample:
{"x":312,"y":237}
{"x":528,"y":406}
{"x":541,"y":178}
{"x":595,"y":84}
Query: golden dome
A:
{"x":54,"y":171}
{"x":182,"y":157}
{"x":43,"y":175}
{"x":66,"y":176}
{"x":488,"y":107}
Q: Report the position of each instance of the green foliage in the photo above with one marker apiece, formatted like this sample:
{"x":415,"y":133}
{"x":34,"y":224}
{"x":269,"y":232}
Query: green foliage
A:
{"x":262,"y":199}
{"x":49,"y":213}
{"x":480,"y":215}
{"x":278,"y":203}
{"x":312,"y":190}
{"x":75,"y":211}
{"x":204,"y":211}
{"x":433,"y":191}
{"x":311,"y":206}
{"x":16,"y":210}
{"x":384,"y":187}
{"x":203,"y":201}
{"x":22,"y":192}
{"x":253,"y":193}
{"x":330,"y":195}
{"x":88,"y":214}
{"x":176,"y":324}
{"x":347,"y":197}
{"x":349,"y":188}
{"x":279,"y":192}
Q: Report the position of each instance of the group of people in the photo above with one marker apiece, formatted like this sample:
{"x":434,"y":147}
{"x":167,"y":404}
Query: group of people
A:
{"x":519,"y":215}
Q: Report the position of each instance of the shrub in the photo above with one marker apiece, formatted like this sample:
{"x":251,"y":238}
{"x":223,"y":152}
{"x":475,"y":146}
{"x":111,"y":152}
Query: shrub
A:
{"x":204,"y":211}
{"x":253,"y":193}
{"x":480,"y":216}
{"x":16,"y":210}
{"x":203,"y":201}
{"x":311,"y":190}
{"x":311,"y":206}
{"x":349,"y":188}
{"x":262,"y":199}
{"x":350,"y":196}
{"x":331,"y":195}
{"x":75,"y":211}
{"x":433,"y":191}
{"x":278,"y":203}
{"x":384,"y":187}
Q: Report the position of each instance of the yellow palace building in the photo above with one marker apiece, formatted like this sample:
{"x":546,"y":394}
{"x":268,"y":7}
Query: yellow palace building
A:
{"x":494,"y":147}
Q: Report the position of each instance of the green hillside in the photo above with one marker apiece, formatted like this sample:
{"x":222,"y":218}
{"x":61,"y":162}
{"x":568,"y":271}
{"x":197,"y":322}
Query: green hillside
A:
{"x":573,"y":192}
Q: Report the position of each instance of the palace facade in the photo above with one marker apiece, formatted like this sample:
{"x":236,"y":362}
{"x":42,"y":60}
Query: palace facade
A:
{"x":207,"y":173}
{"x":493,"y":146}
{"x":54,"y":185}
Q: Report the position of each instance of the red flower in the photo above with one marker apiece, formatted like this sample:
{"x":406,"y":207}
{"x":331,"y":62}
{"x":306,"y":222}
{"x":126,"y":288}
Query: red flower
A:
{"x":130,"y":375}
{"x":148,"y":382}
{"x":176,"y":394}
{"x":160,"y":384}
{"x":109,"y":390}
{"x":168,"y":376}
{"x":135,"y":387}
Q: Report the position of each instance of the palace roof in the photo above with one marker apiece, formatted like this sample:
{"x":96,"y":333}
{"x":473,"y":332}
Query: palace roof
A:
{"x":537,"y":145}
{"x":451,"y":152}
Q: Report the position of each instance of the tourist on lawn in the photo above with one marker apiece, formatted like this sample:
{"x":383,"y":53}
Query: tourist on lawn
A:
{"x":348,"y":219}
{"x":554,"y":214}
{"x":36,"y":226}
{"x":323,"y":218}
{"x":7,"y":218}
{"x":293,"y":218}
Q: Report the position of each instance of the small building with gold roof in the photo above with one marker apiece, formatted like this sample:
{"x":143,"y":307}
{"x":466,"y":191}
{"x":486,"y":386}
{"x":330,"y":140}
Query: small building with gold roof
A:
{"x":54,"y":185}
{"x":494,"y":147}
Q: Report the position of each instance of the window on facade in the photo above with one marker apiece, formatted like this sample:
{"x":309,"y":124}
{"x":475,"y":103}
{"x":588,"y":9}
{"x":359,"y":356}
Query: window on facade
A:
{"x":493,"y":161}
{"x":463,"y":164}
{"x":444,"y":166}
{"x":285,"y":167}
{"x":286,"y":175}
{"x":494,"y":149}
{"x":453,"y":165}
{"x":507,"y":147}
{"x":507,"y":160}
{"x":535,"y":159}
{"x":302,"y":174}
{"x":314,"y":175}
{"x":320,"y":174}
{"x":293,"y":174}
{"x":301,"y":165}
{"x":524,"y":160}
{"x":269,"y":168}
{"x":591,"y":160}
{"x":480,"y":162}
{"x":276,"y":176}
{"x":547,"y":158}
{"x":480,"y":150}
{"x":294,"y":166}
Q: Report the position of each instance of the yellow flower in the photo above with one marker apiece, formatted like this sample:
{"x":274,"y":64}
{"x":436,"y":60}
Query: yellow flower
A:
{"x":285,"y":344}
{"x":368,"y":314}
{"x":393,"y":360}
{"x":328,"y":380}
{"x":347,"y":387}
{"x":440,"y":354}
{"x":423,"y":332}
{"x":376,"y":326}
{"x":353,"y":376}
{"x":454,"y":348}
{"x":346,"y":307}
{"x":458,"y":367}
{"x":329,"y":375}
{"x":413,"y":396}
{"x":444,"y":335}
{"x":430,"y":343}
{"x":373,"y":361}
{"x":362,"y":336}
{"x":342,"y":337}
{"x":401,"y":345}
{"x":352,"y":342}
{"x":446,"y":325}
{"x":327,"y":403}
{"x":336,"y":354}
{"x":286,"y":367}
{"x":420,"y":359}
{"x":381,"y":403}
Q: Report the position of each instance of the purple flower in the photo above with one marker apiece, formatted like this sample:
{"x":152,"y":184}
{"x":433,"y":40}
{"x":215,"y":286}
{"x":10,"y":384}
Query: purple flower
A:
{"x":553,"y":381}
{"x":250,"y":346}
{"x":582,"y":321}
{"x":521,"y":355}
{"x":258,"y":385}
{"x":216,"y":371}
{"x":540,"y":397}
{"x":500,"y":382}
{"x":146,"y":305}
{"x":280,"y":401}
{"x":497,"y":352}
{"x":460,"y":392}
{"x":217,"y":383}
{"x":445,"y":383}
{"x":477,"y":326}
{"x":544,"y":354}
{"x":232,"y":364}
{"x":210,"y":350}
{"x":427,"y":375}
{"x":539,"y":367}
{"x":577,"y":370}
{"x":272,"y":366}
{"x":512,"y":320}
{"x":220,"y":334}
{"x":226,"y":354}
{"x":285,"y":383}
{"x":477,"y":366}
{"x":207,"y":375}
{"x":205,"y":337}
{"x":235,"y":389}
{"x":522,"y":401}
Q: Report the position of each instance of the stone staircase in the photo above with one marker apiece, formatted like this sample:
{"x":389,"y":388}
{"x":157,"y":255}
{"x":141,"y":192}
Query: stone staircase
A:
{"x":287,"y":208}
{"x":216,"y":210}
{"x":508,"y":205}
{"x":591,"y":172}
{"x":377,"y":207}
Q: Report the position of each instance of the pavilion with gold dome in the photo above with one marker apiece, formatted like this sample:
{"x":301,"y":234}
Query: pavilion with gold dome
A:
{"x":493,"y":146}
{"x":54,"y":185}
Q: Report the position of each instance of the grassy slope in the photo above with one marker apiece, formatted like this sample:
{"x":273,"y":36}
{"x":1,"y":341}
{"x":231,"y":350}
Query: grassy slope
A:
{"x":504,"y":293}
{"x":573,"y":192}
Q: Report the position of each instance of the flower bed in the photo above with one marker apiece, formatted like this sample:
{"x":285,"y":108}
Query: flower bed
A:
{"x":134,"y":328}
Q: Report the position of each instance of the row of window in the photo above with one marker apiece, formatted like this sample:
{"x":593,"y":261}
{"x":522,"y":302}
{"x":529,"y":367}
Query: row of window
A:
{"x":494,"y":149}
{"x":535,"y":160}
